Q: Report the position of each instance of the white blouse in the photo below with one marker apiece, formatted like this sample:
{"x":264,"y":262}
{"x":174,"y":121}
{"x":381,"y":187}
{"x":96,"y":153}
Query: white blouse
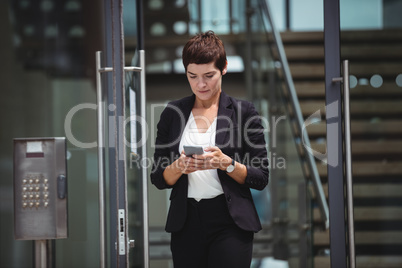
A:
{"x":202,"y":184}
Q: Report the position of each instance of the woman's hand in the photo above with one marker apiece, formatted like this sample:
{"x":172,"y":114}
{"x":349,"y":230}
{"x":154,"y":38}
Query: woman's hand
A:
{"x":213,"y":158}
{"x":187,"y":164}
{"x":183,"y":165}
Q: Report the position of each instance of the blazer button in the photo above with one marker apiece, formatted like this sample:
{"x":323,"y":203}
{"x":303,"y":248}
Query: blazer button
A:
{"x":228,"y":198}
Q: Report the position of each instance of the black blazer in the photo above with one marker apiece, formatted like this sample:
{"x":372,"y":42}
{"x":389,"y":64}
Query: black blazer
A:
{"x":239,"y":134}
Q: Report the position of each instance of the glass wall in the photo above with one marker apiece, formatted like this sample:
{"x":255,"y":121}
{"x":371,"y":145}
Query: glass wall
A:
{"x":289,"y":192}
{"x":303,"y":15}
{"x":48,"y":68}
{"x":308,"y":15}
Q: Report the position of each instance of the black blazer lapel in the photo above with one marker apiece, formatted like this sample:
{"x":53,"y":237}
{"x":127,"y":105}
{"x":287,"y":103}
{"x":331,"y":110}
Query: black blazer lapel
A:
{"x":225,"y":122}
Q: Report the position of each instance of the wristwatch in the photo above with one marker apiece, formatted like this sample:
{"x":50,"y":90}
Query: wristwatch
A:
{"x":231,"y":167}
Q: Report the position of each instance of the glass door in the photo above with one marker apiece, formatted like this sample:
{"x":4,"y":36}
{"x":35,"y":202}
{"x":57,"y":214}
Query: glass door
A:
{"x":136,"y":126}
{"x":49,"y":75}
{"x":286,"y":207}
{"x":370,"y":38}
{"x":368,"y":35}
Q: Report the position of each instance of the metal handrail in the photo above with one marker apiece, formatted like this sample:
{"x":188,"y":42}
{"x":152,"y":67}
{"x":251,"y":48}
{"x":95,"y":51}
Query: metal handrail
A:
{"x":101,"y":160}
{"x":323,"y":205}
{"x":348,"y":165}
{"x":144,"y":170}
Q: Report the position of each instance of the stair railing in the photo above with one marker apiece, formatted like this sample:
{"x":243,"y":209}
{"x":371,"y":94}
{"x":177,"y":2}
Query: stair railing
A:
{"x":300,"y":132}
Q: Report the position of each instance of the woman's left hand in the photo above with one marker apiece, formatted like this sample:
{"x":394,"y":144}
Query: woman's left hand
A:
{"x":213,"y":158}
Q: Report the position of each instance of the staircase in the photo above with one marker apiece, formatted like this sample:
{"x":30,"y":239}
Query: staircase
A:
{"x":376,"y":129}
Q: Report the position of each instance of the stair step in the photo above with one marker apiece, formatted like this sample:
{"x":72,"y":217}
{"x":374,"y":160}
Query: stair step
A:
{"x":370,"y":190}
{"x":321,"y":238}
{"x":362,"y":128}
{"x":305,"y":71}
{"x":358,"y":107}
{"x":302,"y":37}
{"x":381,"y":51}
{"x":371,"y":36}
{"x":364,"y":37}
{"x":364,"y":261}
{"x":352,"y":52}
{"x":305,"y":52}
{"x":371,"y":214}
{"x":316,"y":89}
{"x":378,"y":148}
{"x":362,"y":170}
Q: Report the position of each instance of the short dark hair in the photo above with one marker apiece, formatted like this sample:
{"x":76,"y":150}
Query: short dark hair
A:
{"x":204,"y":48}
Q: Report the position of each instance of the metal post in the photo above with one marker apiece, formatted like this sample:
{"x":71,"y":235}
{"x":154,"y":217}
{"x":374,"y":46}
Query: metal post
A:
{"x":231,"y":20}
{"x":199,"y":16}
{"x":348,"y":165}
{"x":287,"y":14}
{"x":41,"y":254}
{"x":248,"y":54}
{"x":140,"y":24}
{"x":101,"y":160}
{"x":333,"y":102}
{"x":303,"y":225}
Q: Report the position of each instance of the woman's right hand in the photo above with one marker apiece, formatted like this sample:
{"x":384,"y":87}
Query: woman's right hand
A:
{"x":186,"y":164}
{"x":183,"y":165}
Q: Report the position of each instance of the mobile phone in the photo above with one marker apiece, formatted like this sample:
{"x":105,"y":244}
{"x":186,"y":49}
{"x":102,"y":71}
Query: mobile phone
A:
{"x":190,"y":150}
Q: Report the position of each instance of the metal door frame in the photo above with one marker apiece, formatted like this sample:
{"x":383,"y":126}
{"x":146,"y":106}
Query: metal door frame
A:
{"x":114,"y":99}
{"x":114,"y":54}
{"x":333,"y":104}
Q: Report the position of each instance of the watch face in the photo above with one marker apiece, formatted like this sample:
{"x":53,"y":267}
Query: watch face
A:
{"x":230,"y":168}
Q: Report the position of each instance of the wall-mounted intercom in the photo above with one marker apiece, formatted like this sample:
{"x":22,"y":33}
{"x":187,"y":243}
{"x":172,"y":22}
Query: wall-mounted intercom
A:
{"x":40,"y":189}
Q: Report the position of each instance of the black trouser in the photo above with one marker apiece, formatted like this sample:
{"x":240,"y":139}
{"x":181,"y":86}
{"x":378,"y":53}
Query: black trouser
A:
{"x":210,"y":238}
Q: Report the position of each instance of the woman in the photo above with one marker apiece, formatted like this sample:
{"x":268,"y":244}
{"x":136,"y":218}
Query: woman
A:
{"x":212,"y":217}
